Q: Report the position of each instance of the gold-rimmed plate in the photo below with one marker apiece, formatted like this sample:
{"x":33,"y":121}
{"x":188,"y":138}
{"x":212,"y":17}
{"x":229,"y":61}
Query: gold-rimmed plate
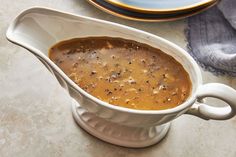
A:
{"x":137,"y":16}
{"x":159,"y":6}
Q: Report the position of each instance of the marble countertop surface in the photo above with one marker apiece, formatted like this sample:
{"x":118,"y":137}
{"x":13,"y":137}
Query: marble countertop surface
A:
{"x":35,"y":113}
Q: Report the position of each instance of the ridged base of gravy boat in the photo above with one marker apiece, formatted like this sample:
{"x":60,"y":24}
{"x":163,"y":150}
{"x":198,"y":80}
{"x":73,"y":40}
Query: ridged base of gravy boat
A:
{"x":37,"y":29}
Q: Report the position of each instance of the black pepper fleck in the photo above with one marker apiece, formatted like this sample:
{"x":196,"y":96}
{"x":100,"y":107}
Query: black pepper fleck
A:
{"x":109,"y":93}
{"x":93,"y":72}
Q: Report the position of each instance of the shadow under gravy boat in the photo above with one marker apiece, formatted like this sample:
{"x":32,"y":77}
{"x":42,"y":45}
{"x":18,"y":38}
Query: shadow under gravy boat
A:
{"x":37,"y":29}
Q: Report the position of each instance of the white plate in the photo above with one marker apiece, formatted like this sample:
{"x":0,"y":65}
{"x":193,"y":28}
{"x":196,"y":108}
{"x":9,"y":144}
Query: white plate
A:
{"x":148,"y":17}
{"x":159,"y":5}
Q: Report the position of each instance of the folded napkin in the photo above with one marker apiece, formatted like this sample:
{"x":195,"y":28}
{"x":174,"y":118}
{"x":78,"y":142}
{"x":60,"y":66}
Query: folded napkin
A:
{"x":212,"y":38}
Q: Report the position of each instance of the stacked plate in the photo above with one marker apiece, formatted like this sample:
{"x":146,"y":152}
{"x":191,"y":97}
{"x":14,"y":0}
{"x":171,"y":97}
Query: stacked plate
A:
{"x":153,"y":10}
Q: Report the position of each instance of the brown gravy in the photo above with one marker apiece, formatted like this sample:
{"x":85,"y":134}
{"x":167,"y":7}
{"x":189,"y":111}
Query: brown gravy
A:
{"x":123,"y":72}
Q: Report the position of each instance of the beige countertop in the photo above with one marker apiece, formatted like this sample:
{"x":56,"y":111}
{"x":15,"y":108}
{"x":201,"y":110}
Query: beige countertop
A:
{"x":35,"y":113}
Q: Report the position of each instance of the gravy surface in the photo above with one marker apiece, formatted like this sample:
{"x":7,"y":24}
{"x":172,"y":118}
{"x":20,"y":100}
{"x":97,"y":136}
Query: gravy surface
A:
{"x":123,"y":72}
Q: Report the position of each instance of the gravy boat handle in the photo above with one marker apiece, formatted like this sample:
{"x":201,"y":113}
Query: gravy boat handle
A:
{"x":219,"y":91}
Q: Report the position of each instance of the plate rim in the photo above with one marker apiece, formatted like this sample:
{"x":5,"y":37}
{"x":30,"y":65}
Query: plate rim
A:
{"x":138,"y":9}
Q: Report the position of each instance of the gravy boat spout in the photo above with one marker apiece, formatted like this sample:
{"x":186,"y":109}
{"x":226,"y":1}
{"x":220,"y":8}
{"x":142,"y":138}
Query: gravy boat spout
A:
{"x":37,"y":29}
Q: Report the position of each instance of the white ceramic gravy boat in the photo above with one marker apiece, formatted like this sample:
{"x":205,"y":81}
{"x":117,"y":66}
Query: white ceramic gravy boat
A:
{"x":37,"y":29}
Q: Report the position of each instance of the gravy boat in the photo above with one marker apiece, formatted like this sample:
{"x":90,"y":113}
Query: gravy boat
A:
{"x":37,"y":29}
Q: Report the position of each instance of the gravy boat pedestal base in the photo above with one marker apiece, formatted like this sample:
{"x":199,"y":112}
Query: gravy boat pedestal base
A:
{"x":135,"y":137}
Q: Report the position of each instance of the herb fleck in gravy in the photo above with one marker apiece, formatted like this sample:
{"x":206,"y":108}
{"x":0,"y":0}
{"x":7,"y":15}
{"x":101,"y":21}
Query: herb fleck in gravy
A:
{"x":123,"y":72}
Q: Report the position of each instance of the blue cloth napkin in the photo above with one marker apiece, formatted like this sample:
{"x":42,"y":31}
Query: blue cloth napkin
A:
{"x":212,"y":38}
